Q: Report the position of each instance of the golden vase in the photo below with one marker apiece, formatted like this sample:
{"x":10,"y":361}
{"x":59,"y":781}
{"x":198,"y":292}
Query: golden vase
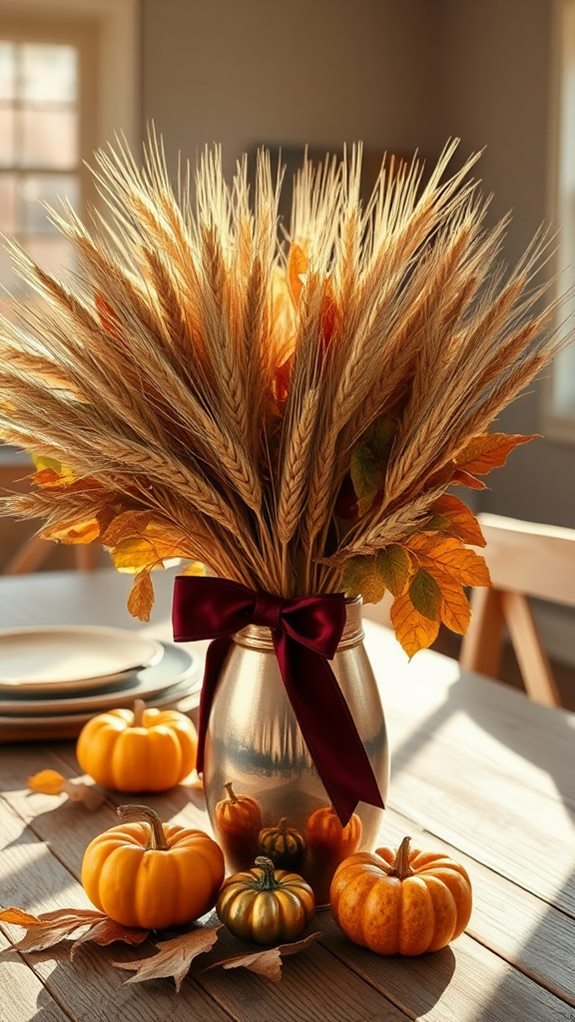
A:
{"x":263,"y":792}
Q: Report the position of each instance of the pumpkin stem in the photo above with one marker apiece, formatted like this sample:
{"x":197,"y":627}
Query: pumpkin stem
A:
{"x":267,"y":881}
{"x":139,"y":707}
{"x":401,"y":867}
{"x":283,"y":825}
{"x":231,"y":793}
{"x":157,"y":842}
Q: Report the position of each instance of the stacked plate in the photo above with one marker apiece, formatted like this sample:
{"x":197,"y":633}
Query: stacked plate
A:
{"x":52,"y":680}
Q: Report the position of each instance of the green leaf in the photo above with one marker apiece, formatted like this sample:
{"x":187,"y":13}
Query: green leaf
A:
{"x":393,"y":565}
{"x":369,"y":461}
{"x":361,"y":578}
{"x":425,"y":594}
{"x":370,"y":576}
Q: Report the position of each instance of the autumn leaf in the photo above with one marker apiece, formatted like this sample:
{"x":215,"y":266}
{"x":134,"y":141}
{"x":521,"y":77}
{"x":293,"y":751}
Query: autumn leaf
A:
{"x":413,"y":630}
{"x":49,"y":928}
{"x":266,"y":963}
{"x":107,"y":931}
{"x":145,"y":542}
{"x":73,"y":532}
{"x":195,"y":568}
{"x":455,"y":610}
{"x":453,"y":518}
{"x":50,"y":782}
{"x":425,"y":594}
{"x":141,"y":598}
{"x":174,"y":956}
{"x":371,"y":576}
{"x":463,"y":478}
{"x":369,"y":461}
{"x":489,"y":451}
{"x":51,"y":472}
{"x":445,"y":555}
{"x":297,"y":267}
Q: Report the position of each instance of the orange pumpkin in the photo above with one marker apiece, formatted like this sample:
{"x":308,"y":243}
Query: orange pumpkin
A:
{"x":237,"y":823}
{"x":404,"y":903}
{"x":138,"y":750}
{"x":325,"y":833}
{"x":152,"y":875}
{"x":327,"y":844}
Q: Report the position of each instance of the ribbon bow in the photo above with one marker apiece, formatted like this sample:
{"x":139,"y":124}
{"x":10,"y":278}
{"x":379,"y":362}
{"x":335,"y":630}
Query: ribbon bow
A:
{"x":305,"y":632}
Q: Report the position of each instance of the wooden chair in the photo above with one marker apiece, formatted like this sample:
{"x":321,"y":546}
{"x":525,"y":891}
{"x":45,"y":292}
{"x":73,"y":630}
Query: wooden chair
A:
{"x":525,"y":560}
{"x":14,"y":467}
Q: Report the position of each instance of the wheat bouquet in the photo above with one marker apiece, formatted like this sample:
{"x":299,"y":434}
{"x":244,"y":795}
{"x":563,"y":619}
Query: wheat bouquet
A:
{"x":288,"y":407}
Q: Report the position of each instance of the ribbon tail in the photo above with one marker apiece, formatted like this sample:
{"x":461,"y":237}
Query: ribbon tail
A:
{"x":328,"y":728}
{"x":215,"y":656}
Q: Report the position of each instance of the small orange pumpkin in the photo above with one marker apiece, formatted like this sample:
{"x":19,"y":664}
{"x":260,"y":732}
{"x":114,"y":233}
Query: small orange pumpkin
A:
{"x":282,"y":844}
{"x":152,"y":875}
{"x":327,"y":844}
{"x":237,"y":823}
{"x":404,"y":903}
{"x":138,"y":750}
{"x":325,"y":833}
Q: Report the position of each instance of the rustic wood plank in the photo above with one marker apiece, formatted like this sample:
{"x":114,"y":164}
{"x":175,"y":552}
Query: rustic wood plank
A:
{"x":22,"y":996}
{"x":490,"y":816}
{"x":241,"y":995}
{"x":412,"y":987}
{"x":534,"y":743}
{"x":34,"y":879}
{"x":531,"y":935}
{"x":463,"y":983}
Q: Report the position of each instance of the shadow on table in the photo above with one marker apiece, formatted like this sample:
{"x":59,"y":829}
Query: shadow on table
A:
{"x":517,"y":998}
{"x":466,"y":696}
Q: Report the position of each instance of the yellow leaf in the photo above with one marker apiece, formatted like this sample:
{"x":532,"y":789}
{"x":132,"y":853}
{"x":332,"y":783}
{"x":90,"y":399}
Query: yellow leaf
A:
{"x":51,"y":472}
{"x":488,"y":451}
{"x":49,"y":782}
{"x":195,"y":568}
{"x":413,"y":630}
{"x":73,"y":532}
{"x":394,"y":567}
{"x":141,"y":598}
{"x":125,"y":526}
{"x":361,"y":578}
{"x":155,"y":543}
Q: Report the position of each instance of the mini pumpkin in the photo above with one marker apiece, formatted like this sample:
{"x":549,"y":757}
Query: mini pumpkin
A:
{"x":266,"y":905}
{"x":237,"y":823}
{"x":404,"y":903}
{"x":284,"y":845}
{"x":328,"y":843}
{"x":150,"y":874}
{"x":138,"y":750}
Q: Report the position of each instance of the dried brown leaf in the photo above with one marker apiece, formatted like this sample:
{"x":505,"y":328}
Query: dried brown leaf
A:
{"x":49,"y":928}
{"x":109,"y":932}
{"x":174,"y":956}
{"x":266,"y":963}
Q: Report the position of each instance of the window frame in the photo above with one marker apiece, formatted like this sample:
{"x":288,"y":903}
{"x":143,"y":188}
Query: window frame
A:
{"x":556,"y":426}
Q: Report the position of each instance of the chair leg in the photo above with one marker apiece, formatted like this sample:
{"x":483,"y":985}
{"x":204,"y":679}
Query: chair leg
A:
{"x":86,"y":556}
{"x":29,"y":557}
{"x":535,"y":668}
{"x":482,"y":645}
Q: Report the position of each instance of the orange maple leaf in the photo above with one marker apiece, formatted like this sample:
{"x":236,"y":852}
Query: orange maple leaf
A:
{"x":489,"y":451}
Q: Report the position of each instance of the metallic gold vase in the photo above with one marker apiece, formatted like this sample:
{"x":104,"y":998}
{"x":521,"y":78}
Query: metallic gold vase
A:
{"x":262,"y":790}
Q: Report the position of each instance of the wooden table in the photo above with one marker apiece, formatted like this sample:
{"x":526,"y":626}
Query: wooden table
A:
{"x":477,"y":770}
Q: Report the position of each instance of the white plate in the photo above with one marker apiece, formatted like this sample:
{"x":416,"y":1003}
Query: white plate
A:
{"x":174,"y":666}
{"x":71,"y":658}
{"x":184,"y":694}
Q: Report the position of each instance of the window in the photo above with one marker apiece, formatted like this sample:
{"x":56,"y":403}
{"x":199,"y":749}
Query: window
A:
{"x":560,"y":390}
{"x":39,"y":147}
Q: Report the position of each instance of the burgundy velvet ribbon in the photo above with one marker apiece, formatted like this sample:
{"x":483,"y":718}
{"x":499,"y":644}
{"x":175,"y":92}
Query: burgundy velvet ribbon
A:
{"x":306,"y":632}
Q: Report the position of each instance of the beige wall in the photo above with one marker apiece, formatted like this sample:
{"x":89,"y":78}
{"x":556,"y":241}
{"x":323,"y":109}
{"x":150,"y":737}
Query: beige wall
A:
{"x":400,"y":74}
{"x":319,"y":71}
{"x":495,"y":91}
